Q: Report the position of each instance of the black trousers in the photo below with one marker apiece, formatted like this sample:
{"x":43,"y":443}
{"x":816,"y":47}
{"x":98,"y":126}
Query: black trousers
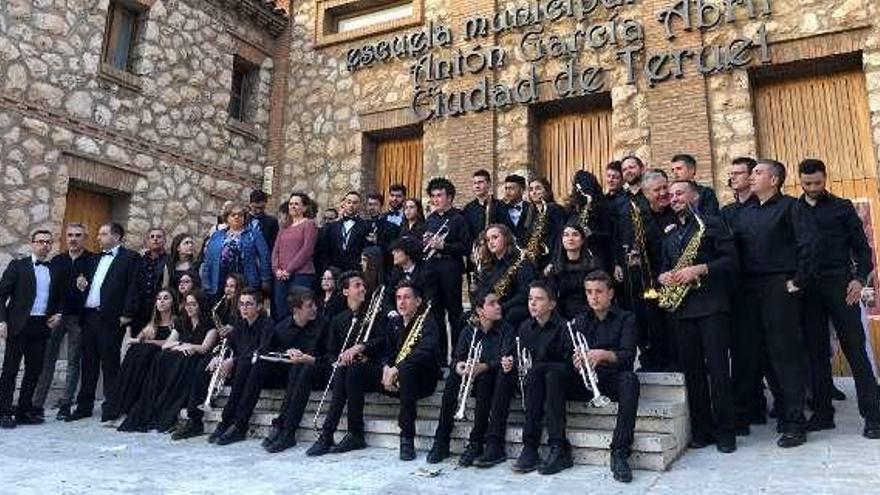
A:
{"x":29,"y":344}
{"x":656,"y":342}
{"x":703,"y":349}
{"x":502,"y":394}
{"x":621,"y":386}
{"x":198,"y":389}
{"x":482,"y":389}
{"x":447,"y":274}
{"x":774,"y":315}
{"x":247,"y":382}
{"x":301,"y":380}
{"x":101,"y":342}
{"x":546,"y":389}
{"x":827,"y":300}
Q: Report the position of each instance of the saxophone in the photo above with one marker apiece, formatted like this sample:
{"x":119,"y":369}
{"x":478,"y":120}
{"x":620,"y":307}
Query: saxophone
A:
{"x":671,"y":296}
{"x":502,"y":285}
{"x":642,"y":252}
{"x":413,"y":336}
{"x":535,"y":247}
{"x":584,"y":214}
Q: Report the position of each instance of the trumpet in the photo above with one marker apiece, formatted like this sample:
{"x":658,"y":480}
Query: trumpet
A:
{"x":439,"y":236}
{"x":334,"y":367}
{"x":475,"y":351}
{"x":587,"y":372}
{"x":523,"y":365}
{"x":272,"y":357}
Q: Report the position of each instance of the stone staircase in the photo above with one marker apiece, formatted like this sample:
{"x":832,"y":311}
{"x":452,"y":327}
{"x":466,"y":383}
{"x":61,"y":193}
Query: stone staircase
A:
{"x":662,"y":426}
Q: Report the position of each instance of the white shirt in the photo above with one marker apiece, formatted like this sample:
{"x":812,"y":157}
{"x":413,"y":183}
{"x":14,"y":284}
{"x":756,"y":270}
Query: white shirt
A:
{"x":395,"y":217}
{"x":93,"y":300}
{"x":515,"y":212}
{"x":41,"y":300}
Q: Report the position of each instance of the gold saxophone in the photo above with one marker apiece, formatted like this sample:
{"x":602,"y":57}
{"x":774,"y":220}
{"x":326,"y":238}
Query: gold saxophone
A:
{"x":413,"y":336}
{"x":642,"y":248}
{"x":671,"y":296}
{"x":535,"y":247}
{"x":584,"y":214}
{"x":502,"y":285}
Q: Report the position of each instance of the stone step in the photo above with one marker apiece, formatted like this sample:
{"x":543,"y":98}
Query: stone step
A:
{"x":652,"y":451}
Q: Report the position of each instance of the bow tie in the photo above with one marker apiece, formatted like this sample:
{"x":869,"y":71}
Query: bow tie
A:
{"x":106,"y":253}
{"x":517,"y":207}
{"x":345,"y":219}
{"x":41,"y":263}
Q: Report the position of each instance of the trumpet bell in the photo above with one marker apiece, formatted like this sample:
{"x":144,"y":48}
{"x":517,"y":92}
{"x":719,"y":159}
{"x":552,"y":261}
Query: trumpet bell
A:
{"x":600,"y":401}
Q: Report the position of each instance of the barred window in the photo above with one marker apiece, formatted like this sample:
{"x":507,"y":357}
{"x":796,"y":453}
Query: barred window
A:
{"x":241,"y":99}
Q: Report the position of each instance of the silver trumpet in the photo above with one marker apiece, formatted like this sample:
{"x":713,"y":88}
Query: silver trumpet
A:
{"x":587,"y":372}
{"x":335,"y":366}
{"x":523,"y":366}
{"x":440,"y":235}
{"x":467,"y":382}
{"x":272,"y":357}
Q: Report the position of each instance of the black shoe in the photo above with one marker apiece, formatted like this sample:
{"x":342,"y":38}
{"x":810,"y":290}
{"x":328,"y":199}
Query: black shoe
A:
{"x":872,"y":430}
{"x":471,"y":451}
{"x":407,"y":449}
{"x":189,"y":429}
{"x":105,"y":417}
{"x":492,"y":456}
{"x":699,"y":443}
{"x":791,"y":439}
{"x":837,"y":394}
{"x":819,"y":424}
{"x":351,"y":441}
{"x":726,"y":445}
{"x":233,"y":434}
{"x":271,"y":437}
{"x":558,"y":459}
{"x":39,"y":412}
{"x":620,"y":467}
{"x":78,"y":414}
{"x":285,"y":440}
{"x":63,"y":413}
{"x":439,"y":452}
{"x":7,"y":421}
{"x":320,"y":447}
{"x":218,"y":432}
{"x":28,"y":418}
{"x":743,"y":431}
{"x":527,"y":460}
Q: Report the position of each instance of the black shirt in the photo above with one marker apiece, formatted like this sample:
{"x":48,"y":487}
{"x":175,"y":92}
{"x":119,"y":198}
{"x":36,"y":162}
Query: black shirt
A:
{"x":545,"y":343}
{"x":340,"y":327}
{"x":617,"y":333}
{"x":517,"y":292}
{"x":716,"y":250}
{"x":68,"y":270}
{"x":457,"y":244}
{"x":843,"y":244}
{"x":492,"y":343}
{"x":385,"y":344}
{"x":568,"y":277}
{"x":707,"y":203}
{"x":266,"y":225}
{"x":778,"y":237}
{"x":310,"y":339}
{"x":475,"y":214}
{"x":245,"y":338}
{"x":149,"y":280}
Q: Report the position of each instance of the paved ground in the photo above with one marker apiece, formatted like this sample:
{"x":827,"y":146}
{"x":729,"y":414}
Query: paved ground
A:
{"x":85,"y":457}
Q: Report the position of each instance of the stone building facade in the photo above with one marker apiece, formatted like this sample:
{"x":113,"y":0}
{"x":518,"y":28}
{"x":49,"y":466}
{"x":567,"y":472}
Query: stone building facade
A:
{"x":149,"y":144}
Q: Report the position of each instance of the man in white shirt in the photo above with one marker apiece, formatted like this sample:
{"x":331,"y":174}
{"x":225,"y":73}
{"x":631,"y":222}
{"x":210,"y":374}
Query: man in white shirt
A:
{"x":29,"y":301}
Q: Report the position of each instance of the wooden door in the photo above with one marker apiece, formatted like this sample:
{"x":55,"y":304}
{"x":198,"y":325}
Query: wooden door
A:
{"x":89,"y":208}
{"x":399,"y":161}
{"x":824,"y":117}
{"x":571,"y":142}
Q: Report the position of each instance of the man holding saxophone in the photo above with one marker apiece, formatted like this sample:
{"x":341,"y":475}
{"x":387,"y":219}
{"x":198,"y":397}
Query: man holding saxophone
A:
{"x":477,"y":359}
{"x":698,"y":256}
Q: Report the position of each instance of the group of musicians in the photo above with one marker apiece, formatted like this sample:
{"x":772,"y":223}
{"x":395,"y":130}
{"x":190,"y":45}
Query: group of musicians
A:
{"x":565,"y":299}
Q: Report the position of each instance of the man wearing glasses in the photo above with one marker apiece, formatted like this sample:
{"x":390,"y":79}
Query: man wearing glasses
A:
{"x":70,"y":269}
{"x":151,"y":268}
{"x":30,"y":305}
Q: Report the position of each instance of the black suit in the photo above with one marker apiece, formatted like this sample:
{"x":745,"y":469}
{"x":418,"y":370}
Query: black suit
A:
{"x":102,"y":336}
{"x":520,"y":229}
{"x":341,"y":250}
{"x":27,"y":334}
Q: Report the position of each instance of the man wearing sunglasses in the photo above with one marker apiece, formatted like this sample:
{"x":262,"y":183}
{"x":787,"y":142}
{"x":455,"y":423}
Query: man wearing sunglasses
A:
{"x":70,"y":268}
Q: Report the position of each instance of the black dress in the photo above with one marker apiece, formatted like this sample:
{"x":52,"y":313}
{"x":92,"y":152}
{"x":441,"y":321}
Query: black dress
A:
{"x":133,"y":373}
{"x":166,"y":388}
{"x":568,"y":277}
{"x":327,"y":309}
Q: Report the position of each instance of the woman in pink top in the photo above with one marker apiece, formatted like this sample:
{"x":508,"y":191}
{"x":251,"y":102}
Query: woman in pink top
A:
{"x":294,"y":249}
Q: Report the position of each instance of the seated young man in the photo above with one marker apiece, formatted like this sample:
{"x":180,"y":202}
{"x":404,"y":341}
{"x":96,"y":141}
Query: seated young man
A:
{"x":253,"y":329}
{"x":612,"y":336}
{"x":406,"y":254}
{"x":487,"y":330}
{"x":380,"y":365}
{"x":545,"y":336}
{"x":298,"y":336}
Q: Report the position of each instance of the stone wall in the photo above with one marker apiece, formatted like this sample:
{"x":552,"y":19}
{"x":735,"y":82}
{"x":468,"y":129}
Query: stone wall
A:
{"x":326,"y":103}
{"x":162,"y":130}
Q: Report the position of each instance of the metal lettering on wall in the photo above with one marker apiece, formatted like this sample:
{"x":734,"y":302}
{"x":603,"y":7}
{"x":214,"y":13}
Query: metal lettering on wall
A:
{"x":624,"y":35}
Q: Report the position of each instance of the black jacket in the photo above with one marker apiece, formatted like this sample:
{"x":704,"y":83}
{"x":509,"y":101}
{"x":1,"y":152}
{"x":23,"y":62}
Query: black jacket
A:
{"x":333,"y":249}
{"x":247,"y":339}
{"x":385,"y":344}
{"x":68,"y":270}
{"x":457,"y":244}
{"x":520,"y":229}
{"x":717,"y":250}
{"x":418,"y":276}
{"x":268,"y":226}
{"x":517,"y":295}
{"x":475,"y":214}
{"x":119,"y":296}
{"x":617,"y":333}
{"x":707,"y":204}
{"x":568,"y":277}
{"x":18,"y":289}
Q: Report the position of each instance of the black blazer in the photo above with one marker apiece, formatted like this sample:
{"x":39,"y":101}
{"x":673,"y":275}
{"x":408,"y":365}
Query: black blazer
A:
{"x":119,"y":295}
{"x":521,"y":228}
{"x":18,"y":289}
{"x":331,"y":249}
